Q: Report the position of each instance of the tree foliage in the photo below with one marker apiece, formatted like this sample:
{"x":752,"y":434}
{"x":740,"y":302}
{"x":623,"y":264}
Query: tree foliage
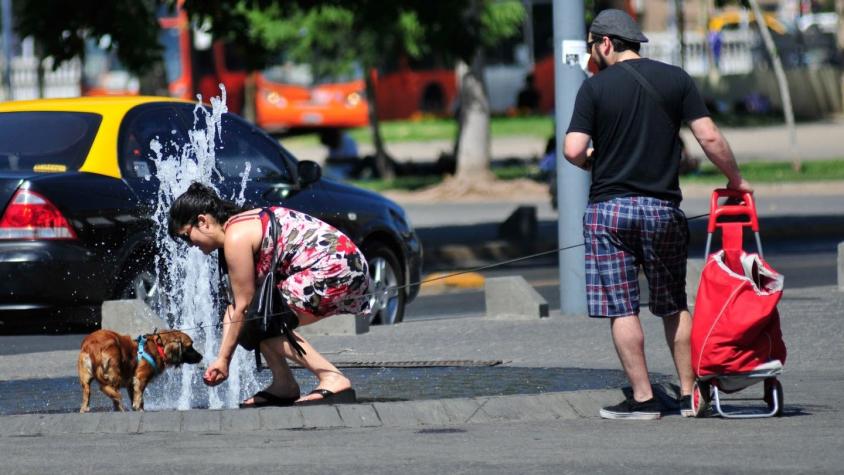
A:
{"x":60,"y":28}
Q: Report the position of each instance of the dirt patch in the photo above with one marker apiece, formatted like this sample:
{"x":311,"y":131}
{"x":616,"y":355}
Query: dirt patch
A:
{"x":452,"y":190}
{"x":521,"y":190}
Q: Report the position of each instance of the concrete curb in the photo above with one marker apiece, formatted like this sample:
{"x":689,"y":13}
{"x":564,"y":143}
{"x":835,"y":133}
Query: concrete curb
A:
{"x":425,"y":413}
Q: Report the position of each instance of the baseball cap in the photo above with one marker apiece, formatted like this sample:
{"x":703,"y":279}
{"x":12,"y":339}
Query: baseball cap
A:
{"x":616,"y":23}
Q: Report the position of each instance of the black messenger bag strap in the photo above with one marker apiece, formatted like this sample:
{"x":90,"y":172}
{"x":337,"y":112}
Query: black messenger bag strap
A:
{"x":655,"y":95}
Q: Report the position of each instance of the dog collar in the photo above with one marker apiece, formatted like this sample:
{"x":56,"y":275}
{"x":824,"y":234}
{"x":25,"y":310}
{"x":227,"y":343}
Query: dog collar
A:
{"x":142,"y":354}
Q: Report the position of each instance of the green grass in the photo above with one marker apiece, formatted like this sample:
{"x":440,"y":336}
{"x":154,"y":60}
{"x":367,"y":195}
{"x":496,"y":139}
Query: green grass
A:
{"x":774,"y":172}
{"x":425,"y":130}
{"x":754,"y":172}
{"x":412,"y":183}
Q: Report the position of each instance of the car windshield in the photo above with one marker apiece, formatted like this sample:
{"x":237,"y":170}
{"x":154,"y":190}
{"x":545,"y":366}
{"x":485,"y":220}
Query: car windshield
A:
{"x":46,"y":141}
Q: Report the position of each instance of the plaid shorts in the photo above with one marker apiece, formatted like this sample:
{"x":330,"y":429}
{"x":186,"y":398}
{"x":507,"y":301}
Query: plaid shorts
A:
{"x":622,"y":234}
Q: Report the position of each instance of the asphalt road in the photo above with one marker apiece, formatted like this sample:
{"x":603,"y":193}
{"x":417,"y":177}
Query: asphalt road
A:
{"x":802,"y":269}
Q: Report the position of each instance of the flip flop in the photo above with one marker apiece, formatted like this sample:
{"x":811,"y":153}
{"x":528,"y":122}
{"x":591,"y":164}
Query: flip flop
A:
{"x":346,"y":396}
{"x":269,"y":400}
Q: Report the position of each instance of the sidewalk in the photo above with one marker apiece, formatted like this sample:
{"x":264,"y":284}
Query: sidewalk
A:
{"x":815,"y":141}
{"x":807,"y":438}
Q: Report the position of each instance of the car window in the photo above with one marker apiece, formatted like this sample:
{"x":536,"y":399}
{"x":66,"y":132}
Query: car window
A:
{"x":142,"y":126}
{"x":46,"y":141}
{"x":242,"y":144}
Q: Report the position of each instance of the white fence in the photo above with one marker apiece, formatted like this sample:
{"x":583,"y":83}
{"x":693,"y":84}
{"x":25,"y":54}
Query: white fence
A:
{"x":736,"y":53}
{"x":63,"y":82}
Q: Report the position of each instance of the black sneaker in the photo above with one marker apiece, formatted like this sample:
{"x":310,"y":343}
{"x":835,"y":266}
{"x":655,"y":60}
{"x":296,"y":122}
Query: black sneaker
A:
{"x":686,"y":406}
{"x":634,"y":410}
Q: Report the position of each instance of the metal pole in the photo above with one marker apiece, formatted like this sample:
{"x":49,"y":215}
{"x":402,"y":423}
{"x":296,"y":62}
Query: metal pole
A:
{"x":7,"y":48}
{"x":572,"y":182}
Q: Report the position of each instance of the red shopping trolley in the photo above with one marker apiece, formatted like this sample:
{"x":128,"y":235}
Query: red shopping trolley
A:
{"x":736,"y":338}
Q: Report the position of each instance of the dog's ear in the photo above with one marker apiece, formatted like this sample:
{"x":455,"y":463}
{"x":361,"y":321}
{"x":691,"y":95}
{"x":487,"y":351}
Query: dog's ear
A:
{"x":173,"y":348}
{"x":173,"y":351}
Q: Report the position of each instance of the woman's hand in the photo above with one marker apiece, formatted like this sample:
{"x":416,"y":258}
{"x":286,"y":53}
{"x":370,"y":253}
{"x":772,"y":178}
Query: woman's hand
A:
{"x":217,"y":372}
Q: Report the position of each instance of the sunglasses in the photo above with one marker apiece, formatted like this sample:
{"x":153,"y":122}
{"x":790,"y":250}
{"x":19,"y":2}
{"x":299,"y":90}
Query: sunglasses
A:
{"x":592,"y":42}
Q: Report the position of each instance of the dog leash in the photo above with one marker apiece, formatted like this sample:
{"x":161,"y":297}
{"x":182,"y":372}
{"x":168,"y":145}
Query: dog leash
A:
{"x":385,"y":291}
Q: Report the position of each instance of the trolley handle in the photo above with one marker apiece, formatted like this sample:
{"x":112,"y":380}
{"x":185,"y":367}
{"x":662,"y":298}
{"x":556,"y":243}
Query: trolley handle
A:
{"x":746,"y":207}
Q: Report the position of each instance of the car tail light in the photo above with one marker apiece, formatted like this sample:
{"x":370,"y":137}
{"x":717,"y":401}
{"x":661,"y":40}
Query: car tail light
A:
{"x":31,"y":216}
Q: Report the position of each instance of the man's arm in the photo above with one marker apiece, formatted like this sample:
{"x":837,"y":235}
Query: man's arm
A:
{"x":718,"y":151}
{"x":577,"y":151}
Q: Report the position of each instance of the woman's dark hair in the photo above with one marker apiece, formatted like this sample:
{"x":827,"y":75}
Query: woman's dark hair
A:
{"x":199,"y":199}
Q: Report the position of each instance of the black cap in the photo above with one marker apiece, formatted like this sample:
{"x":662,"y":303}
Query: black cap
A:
{"x":618,"y":24}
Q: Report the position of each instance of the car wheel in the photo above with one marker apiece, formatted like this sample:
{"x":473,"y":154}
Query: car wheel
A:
{"x":142,"y":286}
{"x":387,"y":301}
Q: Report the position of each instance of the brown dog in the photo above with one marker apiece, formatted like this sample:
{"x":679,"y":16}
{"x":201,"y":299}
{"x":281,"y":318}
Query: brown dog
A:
{"x":112,"y":359}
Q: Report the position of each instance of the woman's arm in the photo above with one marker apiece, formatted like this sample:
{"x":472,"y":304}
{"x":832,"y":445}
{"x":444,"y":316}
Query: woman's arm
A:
{"x":241,"y":241}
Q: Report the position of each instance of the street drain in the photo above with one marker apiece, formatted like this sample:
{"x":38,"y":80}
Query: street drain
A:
{"x":412,"y":364}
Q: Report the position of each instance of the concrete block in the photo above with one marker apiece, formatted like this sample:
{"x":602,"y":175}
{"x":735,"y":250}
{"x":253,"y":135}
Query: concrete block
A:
{"x":359,"y":415}
{"x":321,"y":417}
{"x":275,"y":418}
{"x":164,"y":421}
{"x":238,"y":420}
{"x":73,"y":423}
{"x":130,"y":317}
{"x":414,"y":413}
{"x":841,"y":266}
{"x":345,"y":324}
{"x":528,"y":408}
{"x":512,"y":297}
{"x":463,"y":410}
{"x":201,"y":421}
{"x":120,"y":423}
{"x":589,"y":403}
{"x":22,"y":425}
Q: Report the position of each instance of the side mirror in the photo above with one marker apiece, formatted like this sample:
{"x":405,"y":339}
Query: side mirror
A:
{"x":309,"y":172}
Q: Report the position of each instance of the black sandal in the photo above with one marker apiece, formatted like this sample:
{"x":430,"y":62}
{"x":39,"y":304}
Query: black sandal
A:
{"x":269,"y":400}
{"x":346,"y":396}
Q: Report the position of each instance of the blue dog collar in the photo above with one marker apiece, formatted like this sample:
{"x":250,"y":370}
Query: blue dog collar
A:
{"x":142,"y":354}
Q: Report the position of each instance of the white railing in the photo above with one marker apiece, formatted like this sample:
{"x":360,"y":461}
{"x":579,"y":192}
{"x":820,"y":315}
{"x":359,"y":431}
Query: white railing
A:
{"x":63,"y":82}
{"x":736,"y":55}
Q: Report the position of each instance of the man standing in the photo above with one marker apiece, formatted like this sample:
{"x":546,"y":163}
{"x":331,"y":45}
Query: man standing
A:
{"x":630,"y":110}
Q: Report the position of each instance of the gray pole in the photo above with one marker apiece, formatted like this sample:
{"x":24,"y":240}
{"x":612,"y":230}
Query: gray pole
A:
{"x":7,"y":48}
{"x":572,"y":182}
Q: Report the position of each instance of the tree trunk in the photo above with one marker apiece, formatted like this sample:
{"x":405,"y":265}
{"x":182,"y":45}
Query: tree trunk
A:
{"x":782,"y":82}
{"x":383,"y":164}
{"x":473,"y":142}
{"x":249,"y":112}
{"x":681,"y":30}
{"x":153,"y":82}
{"x":839,"y":9}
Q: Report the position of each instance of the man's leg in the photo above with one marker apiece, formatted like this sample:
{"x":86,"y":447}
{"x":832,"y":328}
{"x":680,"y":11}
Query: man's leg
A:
{"x":629,"y":340}
{"x":678,"y":331}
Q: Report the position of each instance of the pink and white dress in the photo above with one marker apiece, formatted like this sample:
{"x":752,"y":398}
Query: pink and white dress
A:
{"x":321,"y":272}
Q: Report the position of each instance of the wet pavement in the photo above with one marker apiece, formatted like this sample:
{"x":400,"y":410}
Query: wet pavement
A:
{"x":62,"y":395}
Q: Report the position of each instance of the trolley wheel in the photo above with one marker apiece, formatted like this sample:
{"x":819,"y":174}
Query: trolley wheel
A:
{"x":701,"y":398}
{"x":773,"y":388}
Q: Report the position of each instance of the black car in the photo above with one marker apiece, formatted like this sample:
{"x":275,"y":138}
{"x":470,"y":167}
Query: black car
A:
{"x":78,"y":184}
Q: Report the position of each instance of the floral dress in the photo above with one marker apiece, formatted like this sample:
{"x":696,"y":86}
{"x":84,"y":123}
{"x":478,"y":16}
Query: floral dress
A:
{"x":321,"y":272}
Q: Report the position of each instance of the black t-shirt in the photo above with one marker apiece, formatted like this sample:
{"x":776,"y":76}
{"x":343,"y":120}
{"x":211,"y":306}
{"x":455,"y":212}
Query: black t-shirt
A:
{"x":637,"y":153}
